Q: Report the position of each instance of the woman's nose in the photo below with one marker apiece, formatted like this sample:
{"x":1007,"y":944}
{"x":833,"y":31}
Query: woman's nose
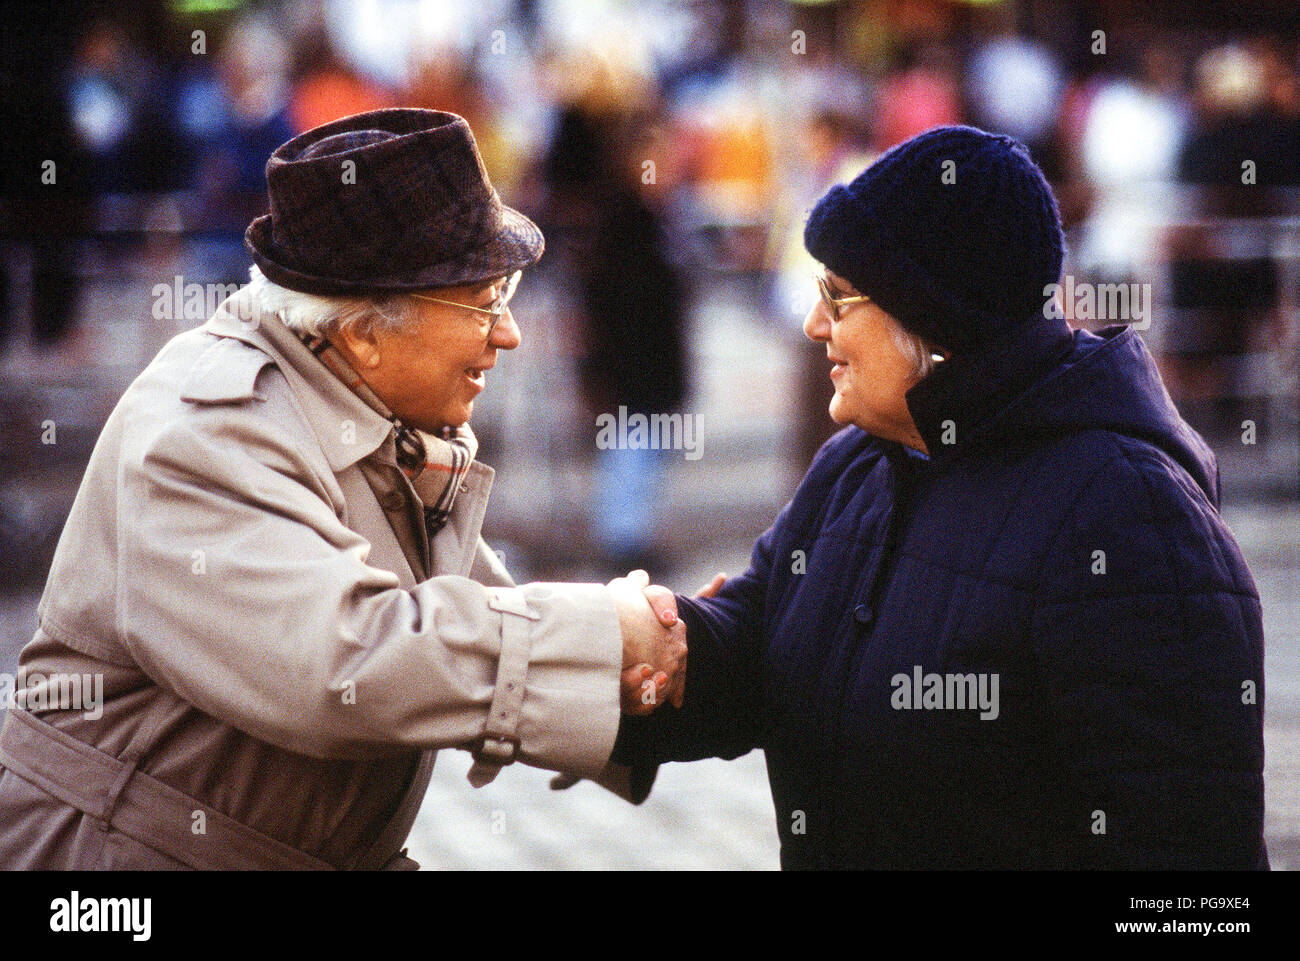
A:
{"x":817,"y":326}
{"x":505,"y":335}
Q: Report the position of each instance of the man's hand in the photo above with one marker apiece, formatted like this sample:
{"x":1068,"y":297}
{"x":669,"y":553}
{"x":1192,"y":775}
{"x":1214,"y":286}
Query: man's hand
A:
{"x":654,"y":654}
{"x":643,"y":687}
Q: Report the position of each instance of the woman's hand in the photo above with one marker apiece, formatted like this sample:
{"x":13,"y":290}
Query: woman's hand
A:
{"x":664,"y":602}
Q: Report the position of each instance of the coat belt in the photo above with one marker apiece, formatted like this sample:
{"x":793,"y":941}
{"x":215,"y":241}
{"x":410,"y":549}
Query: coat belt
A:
{"x":124,"y":798}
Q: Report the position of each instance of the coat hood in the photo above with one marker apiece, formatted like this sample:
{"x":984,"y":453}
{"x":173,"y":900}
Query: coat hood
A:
{"x":1048,"y":382}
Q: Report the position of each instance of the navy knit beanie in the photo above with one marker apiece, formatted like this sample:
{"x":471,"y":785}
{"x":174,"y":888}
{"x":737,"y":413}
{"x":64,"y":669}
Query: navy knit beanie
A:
{"x":958,"y":253}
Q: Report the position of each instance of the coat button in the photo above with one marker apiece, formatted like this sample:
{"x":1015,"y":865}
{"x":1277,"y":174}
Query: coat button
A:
{"x":863,"y":614}
{"x":392,"y":501}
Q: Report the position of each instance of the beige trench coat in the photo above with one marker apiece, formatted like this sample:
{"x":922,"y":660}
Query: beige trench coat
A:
{"x":282,"y":648}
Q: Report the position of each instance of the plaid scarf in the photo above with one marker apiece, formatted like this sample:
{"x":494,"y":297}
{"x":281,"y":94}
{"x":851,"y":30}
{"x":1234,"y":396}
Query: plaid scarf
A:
{"x":435,"y":465}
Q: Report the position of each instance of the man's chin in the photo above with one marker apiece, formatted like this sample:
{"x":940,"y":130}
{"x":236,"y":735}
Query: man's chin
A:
{"x":460,"y":417}
{"x":452,"y":419}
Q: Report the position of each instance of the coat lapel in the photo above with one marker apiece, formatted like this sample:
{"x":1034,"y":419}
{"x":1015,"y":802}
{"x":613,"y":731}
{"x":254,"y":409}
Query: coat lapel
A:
{"x":358,"y":443}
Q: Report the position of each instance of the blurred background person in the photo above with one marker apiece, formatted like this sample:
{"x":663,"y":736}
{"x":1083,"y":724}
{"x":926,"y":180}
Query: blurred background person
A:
{"x":235,"y":116}
{"x":834,"y":145}
{"x":920,"y":92}
{"x":46,"y":169}
{"x":326,"y":87}
{"x":1225,"y":285}
{"x":632,"y":300}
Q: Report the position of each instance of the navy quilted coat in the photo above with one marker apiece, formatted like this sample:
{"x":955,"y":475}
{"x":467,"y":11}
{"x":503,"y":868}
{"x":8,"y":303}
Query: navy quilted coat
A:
{"x":1065,"y":544}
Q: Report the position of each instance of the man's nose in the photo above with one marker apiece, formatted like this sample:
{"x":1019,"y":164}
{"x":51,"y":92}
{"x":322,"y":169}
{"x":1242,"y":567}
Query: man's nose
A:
{"x":505,"y":335}
{"x":817,"y":325}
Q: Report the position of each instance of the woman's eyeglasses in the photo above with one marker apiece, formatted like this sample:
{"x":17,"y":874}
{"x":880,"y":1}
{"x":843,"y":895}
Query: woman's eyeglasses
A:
{"x":833,"y":303}
{"x":498,"y":306}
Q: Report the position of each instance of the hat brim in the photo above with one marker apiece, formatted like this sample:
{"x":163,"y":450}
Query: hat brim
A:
{"x":517,"y":245}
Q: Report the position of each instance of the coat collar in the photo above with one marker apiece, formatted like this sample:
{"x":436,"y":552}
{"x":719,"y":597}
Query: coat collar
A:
{"x":346,"y":427}
{"x":959,"y":401}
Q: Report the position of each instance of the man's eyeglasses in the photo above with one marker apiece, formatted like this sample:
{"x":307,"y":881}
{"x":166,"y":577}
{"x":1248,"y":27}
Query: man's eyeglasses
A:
{"x":495,"y":311}
{"x":833,"y":303}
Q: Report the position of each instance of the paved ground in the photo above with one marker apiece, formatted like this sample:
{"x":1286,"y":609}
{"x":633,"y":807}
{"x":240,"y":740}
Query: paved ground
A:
{"x":704,"y":815}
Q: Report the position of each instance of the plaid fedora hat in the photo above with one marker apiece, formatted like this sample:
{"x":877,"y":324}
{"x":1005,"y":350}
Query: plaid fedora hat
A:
{"x":414,"y":209}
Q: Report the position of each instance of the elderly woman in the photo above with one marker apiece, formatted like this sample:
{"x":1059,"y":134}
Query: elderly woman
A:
{"x":274,"y":562}
{"x":1001,"y":624}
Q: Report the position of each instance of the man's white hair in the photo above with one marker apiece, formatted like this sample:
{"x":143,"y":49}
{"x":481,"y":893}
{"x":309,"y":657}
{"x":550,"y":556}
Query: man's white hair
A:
{"x":320,"y":316}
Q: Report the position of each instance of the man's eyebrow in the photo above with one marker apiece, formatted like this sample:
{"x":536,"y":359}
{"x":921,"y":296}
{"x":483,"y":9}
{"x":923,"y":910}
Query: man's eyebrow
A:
{"x":486,"y":294}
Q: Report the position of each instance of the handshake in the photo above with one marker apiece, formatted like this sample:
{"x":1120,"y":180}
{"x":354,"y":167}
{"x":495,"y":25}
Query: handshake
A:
{"x":654,"y":641}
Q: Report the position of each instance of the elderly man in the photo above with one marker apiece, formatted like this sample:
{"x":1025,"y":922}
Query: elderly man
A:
{"x":274,"y":560}
{"x":1001,"y":624}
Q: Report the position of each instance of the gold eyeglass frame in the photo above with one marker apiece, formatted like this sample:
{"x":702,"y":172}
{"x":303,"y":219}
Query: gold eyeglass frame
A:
{"x":834,"y":304}
{"x":498,"y":308}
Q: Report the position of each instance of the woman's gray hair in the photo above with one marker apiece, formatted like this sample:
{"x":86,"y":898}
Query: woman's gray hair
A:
{"x":918,"y":350}
{"x":319,"y":316}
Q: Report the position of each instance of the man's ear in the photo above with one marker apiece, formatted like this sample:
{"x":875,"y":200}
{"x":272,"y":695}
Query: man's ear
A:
{"x":360,"y":345}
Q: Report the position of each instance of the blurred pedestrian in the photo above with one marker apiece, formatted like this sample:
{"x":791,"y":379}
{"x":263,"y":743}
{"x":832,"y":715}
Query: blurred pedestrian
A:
{"x":234,"y":116}
{"x":633,"y":304}
{"x":45,"y":172}
{"x":920,"y":92}
{"x":327,"y":87}
{"x":1244,"y":145}
{"x":832,"y":149}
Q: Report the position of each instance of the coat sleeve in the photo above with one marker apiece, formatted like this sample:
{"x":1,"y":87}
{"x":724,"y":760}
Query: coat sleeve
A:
{"x":1148,"y":638}
{"x":245,"y":594}
{"x":721,"y":713}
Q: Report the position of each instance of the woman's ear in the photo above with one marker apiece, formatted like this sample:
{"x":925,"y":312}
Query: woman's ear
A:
{"x":360,"y":345}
